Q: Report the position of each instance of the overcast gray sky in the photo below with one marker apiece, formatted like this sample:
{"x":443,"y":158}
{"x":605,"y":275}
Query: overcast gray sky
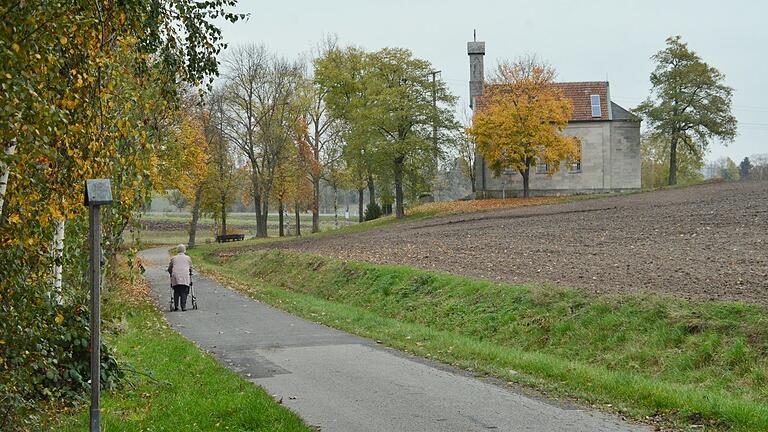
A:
{"x":584,"y":40}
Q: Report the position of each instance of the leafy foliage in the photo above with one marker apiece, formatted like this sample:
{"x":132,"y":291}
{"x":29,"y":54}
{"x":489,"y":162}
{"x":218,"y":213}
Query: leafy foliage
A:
{"x":389,"y":105}
{"x":729,"y":170}
{"x":690,"y":105}
{"x":654,"y":163}
{"x":87,"y":90}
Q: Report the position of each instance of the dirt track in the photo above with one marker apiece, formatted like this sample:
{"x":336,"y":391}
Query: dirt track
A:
{"x":703,"y":242}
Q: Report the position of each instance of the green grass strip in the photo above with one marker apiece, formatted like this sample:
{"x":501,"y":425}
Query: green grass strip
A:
{"x":188,"y":389}
{"x":692,"y":363}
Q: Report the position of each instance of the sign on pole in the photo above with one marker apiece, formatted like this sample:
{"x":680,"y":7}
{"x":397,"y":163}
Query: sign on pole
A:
{"x":98,"y":192}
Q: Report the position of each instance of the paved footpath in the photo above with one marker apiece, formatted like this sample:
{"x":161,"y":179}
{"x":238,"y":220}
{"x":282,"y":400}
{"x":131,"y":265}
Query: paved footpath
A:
{"x":340,"y":382}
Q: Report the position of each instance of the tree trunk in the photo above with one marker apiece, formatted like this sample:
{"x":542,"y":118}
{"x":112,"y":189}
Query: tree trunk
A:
{"x":316,"y":204}
{"x":526,"y":175}
{"x":673,"y":160}
{"x":5,"y":171}
{"x":263,"y":218}
{"x":371,"y":191}
{"x":335,"y":205}
{"x":360,"y":199}
{"x":260,"y":227}
{"x":58,"y":255}
{"x":195,"y":218}
{"x":223,"y":216}
{"x":280,"y":230}
{"x":399,"y":210}
{"x":298,"y":219}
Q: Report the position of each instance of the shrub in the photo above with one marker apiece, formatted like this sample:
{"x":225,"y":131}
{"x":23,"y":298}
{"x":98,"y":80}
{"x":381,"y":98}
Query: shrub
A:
{"x":47,"y":359}
{"x":44,"y":352}
{"x":372,"y":211}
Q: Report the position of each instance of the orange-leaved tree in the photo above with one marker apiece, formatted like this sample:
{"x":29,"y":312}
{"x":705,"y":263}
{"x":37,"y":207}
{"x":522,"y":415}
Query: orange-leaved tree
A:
{"x":188,"y":171}
{"x":520,"y":119}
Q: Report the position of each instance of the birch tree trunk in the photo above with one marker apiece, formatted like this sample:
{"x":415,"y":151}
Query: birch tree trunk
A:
{"x":58,"y":255}
{"x":5,"y":171}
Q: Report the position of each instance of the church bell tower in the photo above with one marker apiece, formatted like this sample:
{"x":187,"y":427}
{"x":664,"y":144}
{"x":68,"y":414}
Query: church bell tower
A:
{"x":476,"y":51}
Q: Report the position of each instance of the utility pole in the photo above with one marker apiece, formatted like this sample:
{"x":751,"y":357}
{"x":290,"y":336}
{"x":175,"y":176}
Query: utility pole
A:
{"x":434,"y":106}
{"x":98,"y":192}
{"x":434,"y":112}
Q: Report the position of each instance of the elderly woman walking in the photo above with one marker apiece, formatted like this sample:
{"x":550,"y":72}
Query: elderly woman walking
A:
{"x":180,"y":269}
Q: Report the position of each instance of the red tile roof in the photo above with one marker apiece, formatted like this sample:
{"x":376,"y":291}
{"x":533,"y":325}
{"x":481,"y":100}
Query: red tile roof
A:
{"x":579,"y":93}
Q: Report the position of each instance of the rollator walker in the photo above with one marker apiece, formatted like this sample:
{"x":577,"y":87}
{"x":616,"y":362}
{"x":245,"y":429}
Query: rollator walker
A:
{"x":191,"y":294}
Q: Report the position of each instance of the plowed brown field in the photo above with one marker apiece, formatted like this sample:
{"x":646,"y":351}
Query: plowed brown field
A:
{"x":703,"y":242}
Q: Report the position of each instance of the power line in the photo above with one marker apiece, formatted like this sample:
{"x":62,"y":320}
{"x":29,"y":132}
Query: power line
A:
{"x":735,"y":107}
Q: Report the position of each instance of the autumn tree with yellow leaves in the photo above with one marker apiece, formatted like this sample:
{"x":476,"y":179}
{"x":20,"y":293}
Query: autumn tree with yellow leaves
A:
{"x":87,"y":90}
{"x":189,"y":169}
{"x":521,"y":119}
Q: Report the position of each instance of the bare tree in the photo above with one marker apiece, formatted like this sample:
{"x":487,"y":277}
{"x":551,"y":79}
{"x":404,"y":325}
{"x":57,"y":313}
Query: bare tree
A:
{"x":262,"y":111}
{"x":759,"y":169}
{"x":224,"y":179}
{"x":323,"y":132}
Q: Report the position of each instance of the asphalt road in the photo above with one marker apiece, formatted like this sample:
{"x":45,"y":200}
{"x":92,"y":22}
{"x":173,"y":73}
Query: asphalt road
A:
{"x":340,"y":382}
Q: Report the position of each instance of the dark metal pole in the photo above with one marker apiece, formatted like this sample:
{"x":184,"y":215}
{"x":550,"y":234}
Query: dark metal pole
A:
{"x":94,"y":238}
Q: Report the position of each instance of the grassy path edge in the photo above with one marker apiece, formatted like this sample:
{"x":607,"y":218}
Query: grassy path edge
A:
{"x":177,"y":384}
{"x":636,"y":396}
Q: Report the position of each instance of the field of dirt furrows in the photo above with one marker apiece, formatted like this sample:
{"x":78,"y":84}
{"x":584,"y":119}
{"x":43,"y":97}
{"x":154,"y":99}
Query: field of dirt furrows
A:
{"x":702,"y":242}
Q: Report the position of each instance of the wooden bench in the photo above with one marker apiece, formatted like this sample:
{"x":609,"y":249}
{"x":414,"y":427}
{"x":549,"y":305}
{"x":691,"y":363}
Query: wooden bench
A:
{"x":229,"y":238}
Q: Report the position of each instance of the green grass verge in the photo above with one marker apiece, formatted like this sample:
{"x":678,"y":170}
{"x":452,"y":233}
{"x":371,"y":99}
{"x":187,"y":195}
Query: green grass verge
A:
{"x":186,"y":389}
{"x":702,"y":363}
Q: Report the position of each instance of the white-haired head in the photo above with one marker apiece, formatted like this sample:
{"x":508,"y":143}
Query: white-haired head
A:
{"x":181,"y":248}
